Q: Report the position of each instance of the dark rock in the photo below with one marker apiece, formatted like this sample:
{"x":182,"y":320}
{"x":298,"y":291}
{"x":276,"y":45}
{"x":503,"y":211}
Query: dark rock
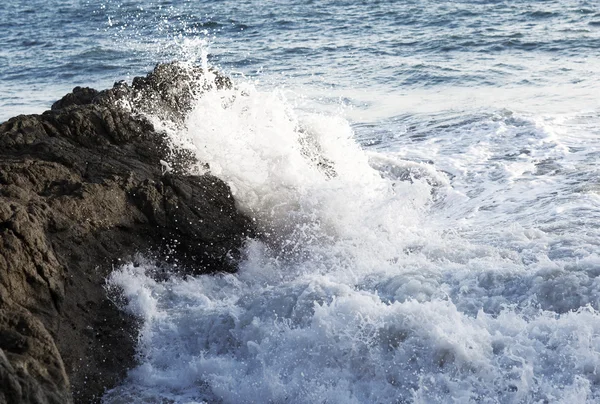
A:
{"x":312,"y":150}
{"x":166,"y":93}
{"x":81,"y":190}
{"x":79,"y":96}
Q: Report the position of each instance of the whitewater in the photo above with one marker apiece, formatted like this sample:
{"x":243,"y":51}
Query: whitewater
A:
{"x":455,"y":268}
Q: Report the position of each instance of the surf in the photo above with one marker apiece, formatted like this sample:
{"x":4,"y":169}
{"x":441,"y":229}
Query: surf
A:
{"x":358,"y":288}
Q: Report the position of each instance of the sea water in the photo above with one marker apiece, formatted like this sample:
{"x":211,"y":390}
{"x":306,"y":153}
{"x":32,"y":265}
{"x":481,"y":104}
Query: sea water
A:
{"x":423,"y":176}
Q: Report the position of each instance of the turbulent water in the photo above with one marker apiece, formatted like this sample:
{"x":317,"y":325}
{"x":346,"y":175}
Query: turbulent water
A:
{"x":423,"y":175}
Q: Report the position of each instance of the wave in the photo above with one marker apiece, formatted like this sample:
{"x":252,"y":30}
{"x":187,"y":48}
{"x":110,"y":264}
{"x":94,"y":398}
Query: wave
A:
{"x":359,"y":288}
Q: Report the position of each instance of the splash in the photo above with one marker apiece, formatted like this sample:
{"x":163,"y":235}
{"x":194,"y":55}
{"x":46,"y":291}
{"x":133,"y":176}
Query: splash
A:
{"x":361,"y":287}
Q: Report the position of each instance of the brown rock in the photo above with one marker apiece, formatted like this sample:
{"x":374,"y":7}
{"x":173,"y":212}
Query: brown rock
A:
{"x":82,"y":190}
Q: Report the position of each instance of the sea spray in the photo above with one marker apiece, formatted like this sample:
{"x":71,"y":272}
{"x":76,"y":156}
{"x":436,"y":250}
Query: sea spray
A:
{"x":360,"y":288}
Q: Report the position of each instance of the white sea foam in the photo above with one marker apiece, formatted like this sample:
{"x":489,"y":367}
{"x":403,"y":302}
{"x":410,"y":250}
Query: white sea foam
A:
{"x":378,"y":278}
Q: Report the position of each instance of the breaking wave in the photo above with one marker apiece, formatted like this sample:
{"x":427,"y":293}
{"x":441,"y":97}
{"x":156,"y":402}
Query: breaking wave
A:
{"x":378,"y":276}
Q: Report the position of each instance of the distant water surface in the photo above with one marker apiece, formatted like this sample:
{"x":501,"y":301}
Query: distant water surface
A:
{"x":341,"y":48}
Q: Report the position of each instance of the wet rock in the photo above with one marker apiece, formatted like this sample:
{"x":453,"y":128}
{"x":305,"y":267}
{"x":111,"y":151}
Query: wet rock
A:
{"x":79,"y":96}
{"x":82,"y":189}
{"x":165,"y":93}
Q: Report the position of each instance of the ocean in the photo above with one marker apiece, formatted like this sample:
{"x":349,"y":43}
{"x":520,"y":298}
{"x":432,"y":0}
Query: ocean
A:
{"x":447,"y":251}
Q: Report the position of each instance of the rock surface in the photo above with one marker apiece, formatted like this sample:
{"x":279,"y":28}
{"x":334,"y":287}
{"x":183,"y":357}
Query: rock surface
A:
{"x":82,"y":189}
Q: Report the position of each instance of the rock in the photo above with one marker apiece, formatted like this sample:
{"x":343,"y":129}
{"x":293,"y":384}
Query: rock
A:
{"x":165,"y":93}
{"x":79,"y":96}
{"x":82,"y":189}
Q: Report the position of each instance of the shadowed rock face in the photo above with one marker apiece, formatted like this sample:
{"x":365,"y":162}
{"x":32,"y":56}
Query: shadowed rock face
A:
{"x":82,"y":190}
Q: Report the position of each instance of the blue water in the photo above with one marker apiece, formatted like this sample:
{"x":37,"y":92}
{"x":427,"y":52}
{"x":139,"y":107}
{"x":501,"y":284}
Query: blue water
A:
{"x":48,"y":47}
{"x":454,"y":256}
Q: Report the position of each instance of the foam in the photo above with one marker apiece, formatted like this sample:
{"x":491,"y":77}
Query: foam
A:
{"x":384,"y":280}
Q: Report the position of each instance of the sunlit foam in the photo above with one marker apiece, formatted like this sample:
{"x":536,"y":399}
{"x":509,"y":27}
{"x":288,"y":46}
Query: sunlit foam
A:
{"x":372,"y":280}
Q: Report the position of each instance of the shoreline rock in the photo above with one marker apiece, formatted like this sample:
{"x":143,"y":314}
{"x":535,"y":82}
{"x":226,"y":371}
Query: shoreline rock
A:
{"x":82,"y":189}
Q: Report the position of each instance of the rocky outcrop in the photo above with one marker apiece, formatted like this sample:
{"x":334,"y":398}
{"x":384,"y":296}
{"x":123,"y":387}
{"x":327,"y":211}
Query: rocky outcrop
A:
{"x":82,"y":189}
